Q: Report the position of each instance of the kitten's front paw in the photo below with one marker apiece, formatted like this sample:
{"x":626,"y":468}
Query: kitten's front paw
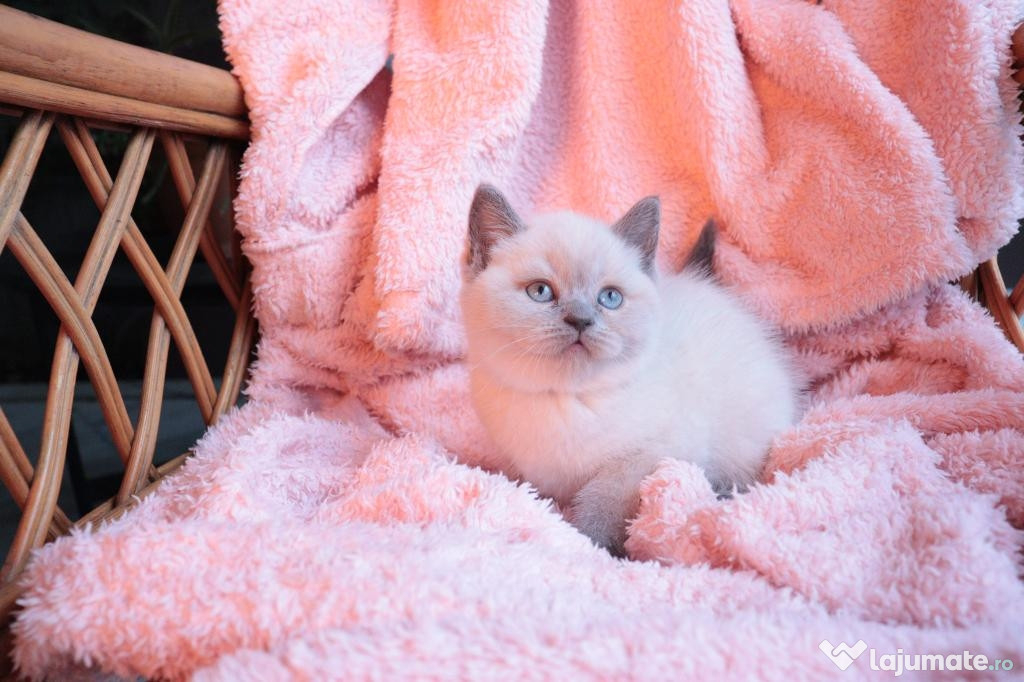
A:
{"x":724,"y":487}
{"x":606,"y":527}
{"x":602,"y":508}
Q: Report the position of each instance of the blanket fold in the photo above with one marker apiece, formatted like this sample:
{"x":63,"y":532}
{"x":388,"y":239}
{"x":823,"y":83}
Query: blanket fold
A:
{"x":347,"y":522}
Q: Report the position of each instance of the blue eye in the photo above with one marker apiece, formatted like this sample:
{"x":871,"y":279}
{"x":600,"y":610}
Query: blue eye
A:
{"x":540,"y":292}
{"x":610,"y":298}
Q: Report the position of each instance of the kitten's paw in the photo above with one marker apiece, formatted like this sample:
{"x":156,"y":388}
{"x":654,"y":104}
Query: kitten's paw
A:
{"x":602,"y":508}
{"x":605,"y":529}
{"x":725,"y":488}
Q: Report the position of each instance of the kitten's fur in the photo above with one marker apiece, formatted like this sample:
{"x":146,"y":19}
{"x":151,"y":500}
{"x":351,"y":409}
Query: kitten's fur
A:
{"x":679,"y":370}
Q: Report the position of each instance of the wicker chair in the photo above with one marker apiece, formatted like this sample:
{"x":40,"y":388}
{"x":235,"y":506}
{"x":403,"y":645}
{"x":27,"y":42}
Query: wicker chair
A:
{"x":57,"y":79}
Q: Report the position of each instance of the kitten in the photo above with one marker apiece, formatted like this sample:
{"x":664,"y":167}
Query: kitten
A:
{"x":587,"y":367}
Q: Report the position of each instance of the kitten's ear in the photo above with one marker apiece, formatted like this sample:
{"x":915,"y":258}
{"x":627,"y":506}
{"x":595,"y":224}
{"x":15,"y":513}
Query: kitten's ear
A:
{"x":639,"y":228}
{"x":491,"y":219}
{"x":702,"y":255}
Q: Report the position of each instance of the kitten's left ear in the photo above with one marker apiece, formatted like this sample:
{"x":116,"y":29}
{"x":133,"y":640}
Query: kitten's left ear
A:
{"x":491,"y":219}
{"x":639,"y":228}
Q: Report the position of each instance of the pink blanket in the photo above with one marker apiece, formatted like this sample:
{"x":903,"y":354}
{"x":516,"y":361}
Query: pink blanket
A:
{"x":857,"y":154}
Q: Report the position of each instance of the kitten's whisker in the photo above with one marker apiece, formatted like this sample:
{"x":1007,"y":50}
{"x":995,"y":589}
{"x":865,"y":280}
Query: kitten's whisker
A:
{"x":532,"y":336}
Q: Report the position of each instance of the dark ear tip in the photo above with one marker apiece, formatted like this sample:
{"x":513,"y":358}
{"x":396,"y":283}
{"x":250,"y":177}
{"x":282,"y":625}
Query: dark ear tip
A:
{"x":710,"y":230}
{"x":649,"y":208}
{"x":486,"y":190}
{"x":485,"y":194}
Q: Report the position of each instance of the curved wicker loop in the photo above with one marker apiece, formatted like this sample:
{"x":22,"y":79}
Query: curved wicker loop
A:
{"x":19,"y":165}
{"x":184,"y":183}
{"x":144,"y":446}
{"x":44,"y":272}
{"x":242,"y":338}
{"x":992,"y":293}
{"x":1017,"y":297}
{"x":17,"y":476}
{"x":87,"y":158}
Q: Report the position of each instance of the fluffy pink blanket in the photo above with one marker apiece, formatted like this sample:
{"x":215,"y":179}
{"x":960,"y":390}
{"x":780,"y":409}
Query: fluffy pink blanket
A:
{"x":858,"y":154}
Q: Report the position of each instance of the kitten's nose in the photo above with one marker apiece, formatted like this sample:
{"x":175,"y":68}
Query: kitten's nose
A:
{"x":578,"y":323}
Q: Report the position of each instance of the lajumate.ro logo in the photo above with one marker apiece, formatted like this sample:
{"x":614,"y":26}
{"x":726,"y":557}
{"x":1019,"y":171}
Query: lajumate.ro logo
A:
{"x":843,"y":656}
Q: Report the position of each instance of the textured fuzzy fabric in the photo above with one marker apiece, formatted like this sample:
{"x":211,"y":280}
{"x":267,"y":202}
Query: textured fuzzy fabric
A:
{"x":857,"y":154}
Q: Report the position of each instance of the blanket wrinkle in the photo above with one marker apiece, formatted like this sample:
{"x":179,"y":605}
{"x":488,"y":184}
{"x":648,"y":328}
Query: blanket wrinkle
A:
{"x":349,"y":521}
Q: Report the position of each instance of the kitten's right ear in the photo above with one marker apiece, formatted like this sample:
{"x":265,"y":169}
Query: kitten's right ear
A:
{"x":491,"y":219}
{"x":702,"y":255}
{"x":639,"y":228}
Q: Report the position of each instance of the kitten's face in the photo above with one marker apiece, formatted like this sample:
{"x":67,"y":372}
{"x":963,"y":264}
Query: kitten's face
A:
{"x":560,"y":304}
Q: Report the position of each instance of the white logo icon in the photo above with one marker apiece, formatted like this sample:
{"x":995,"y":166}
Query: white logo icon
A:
{"x":842,"y":654}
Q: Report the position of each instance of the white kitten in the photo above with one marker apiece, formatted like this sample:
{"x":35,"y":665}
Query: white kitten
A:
{"x":587,"y":367}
